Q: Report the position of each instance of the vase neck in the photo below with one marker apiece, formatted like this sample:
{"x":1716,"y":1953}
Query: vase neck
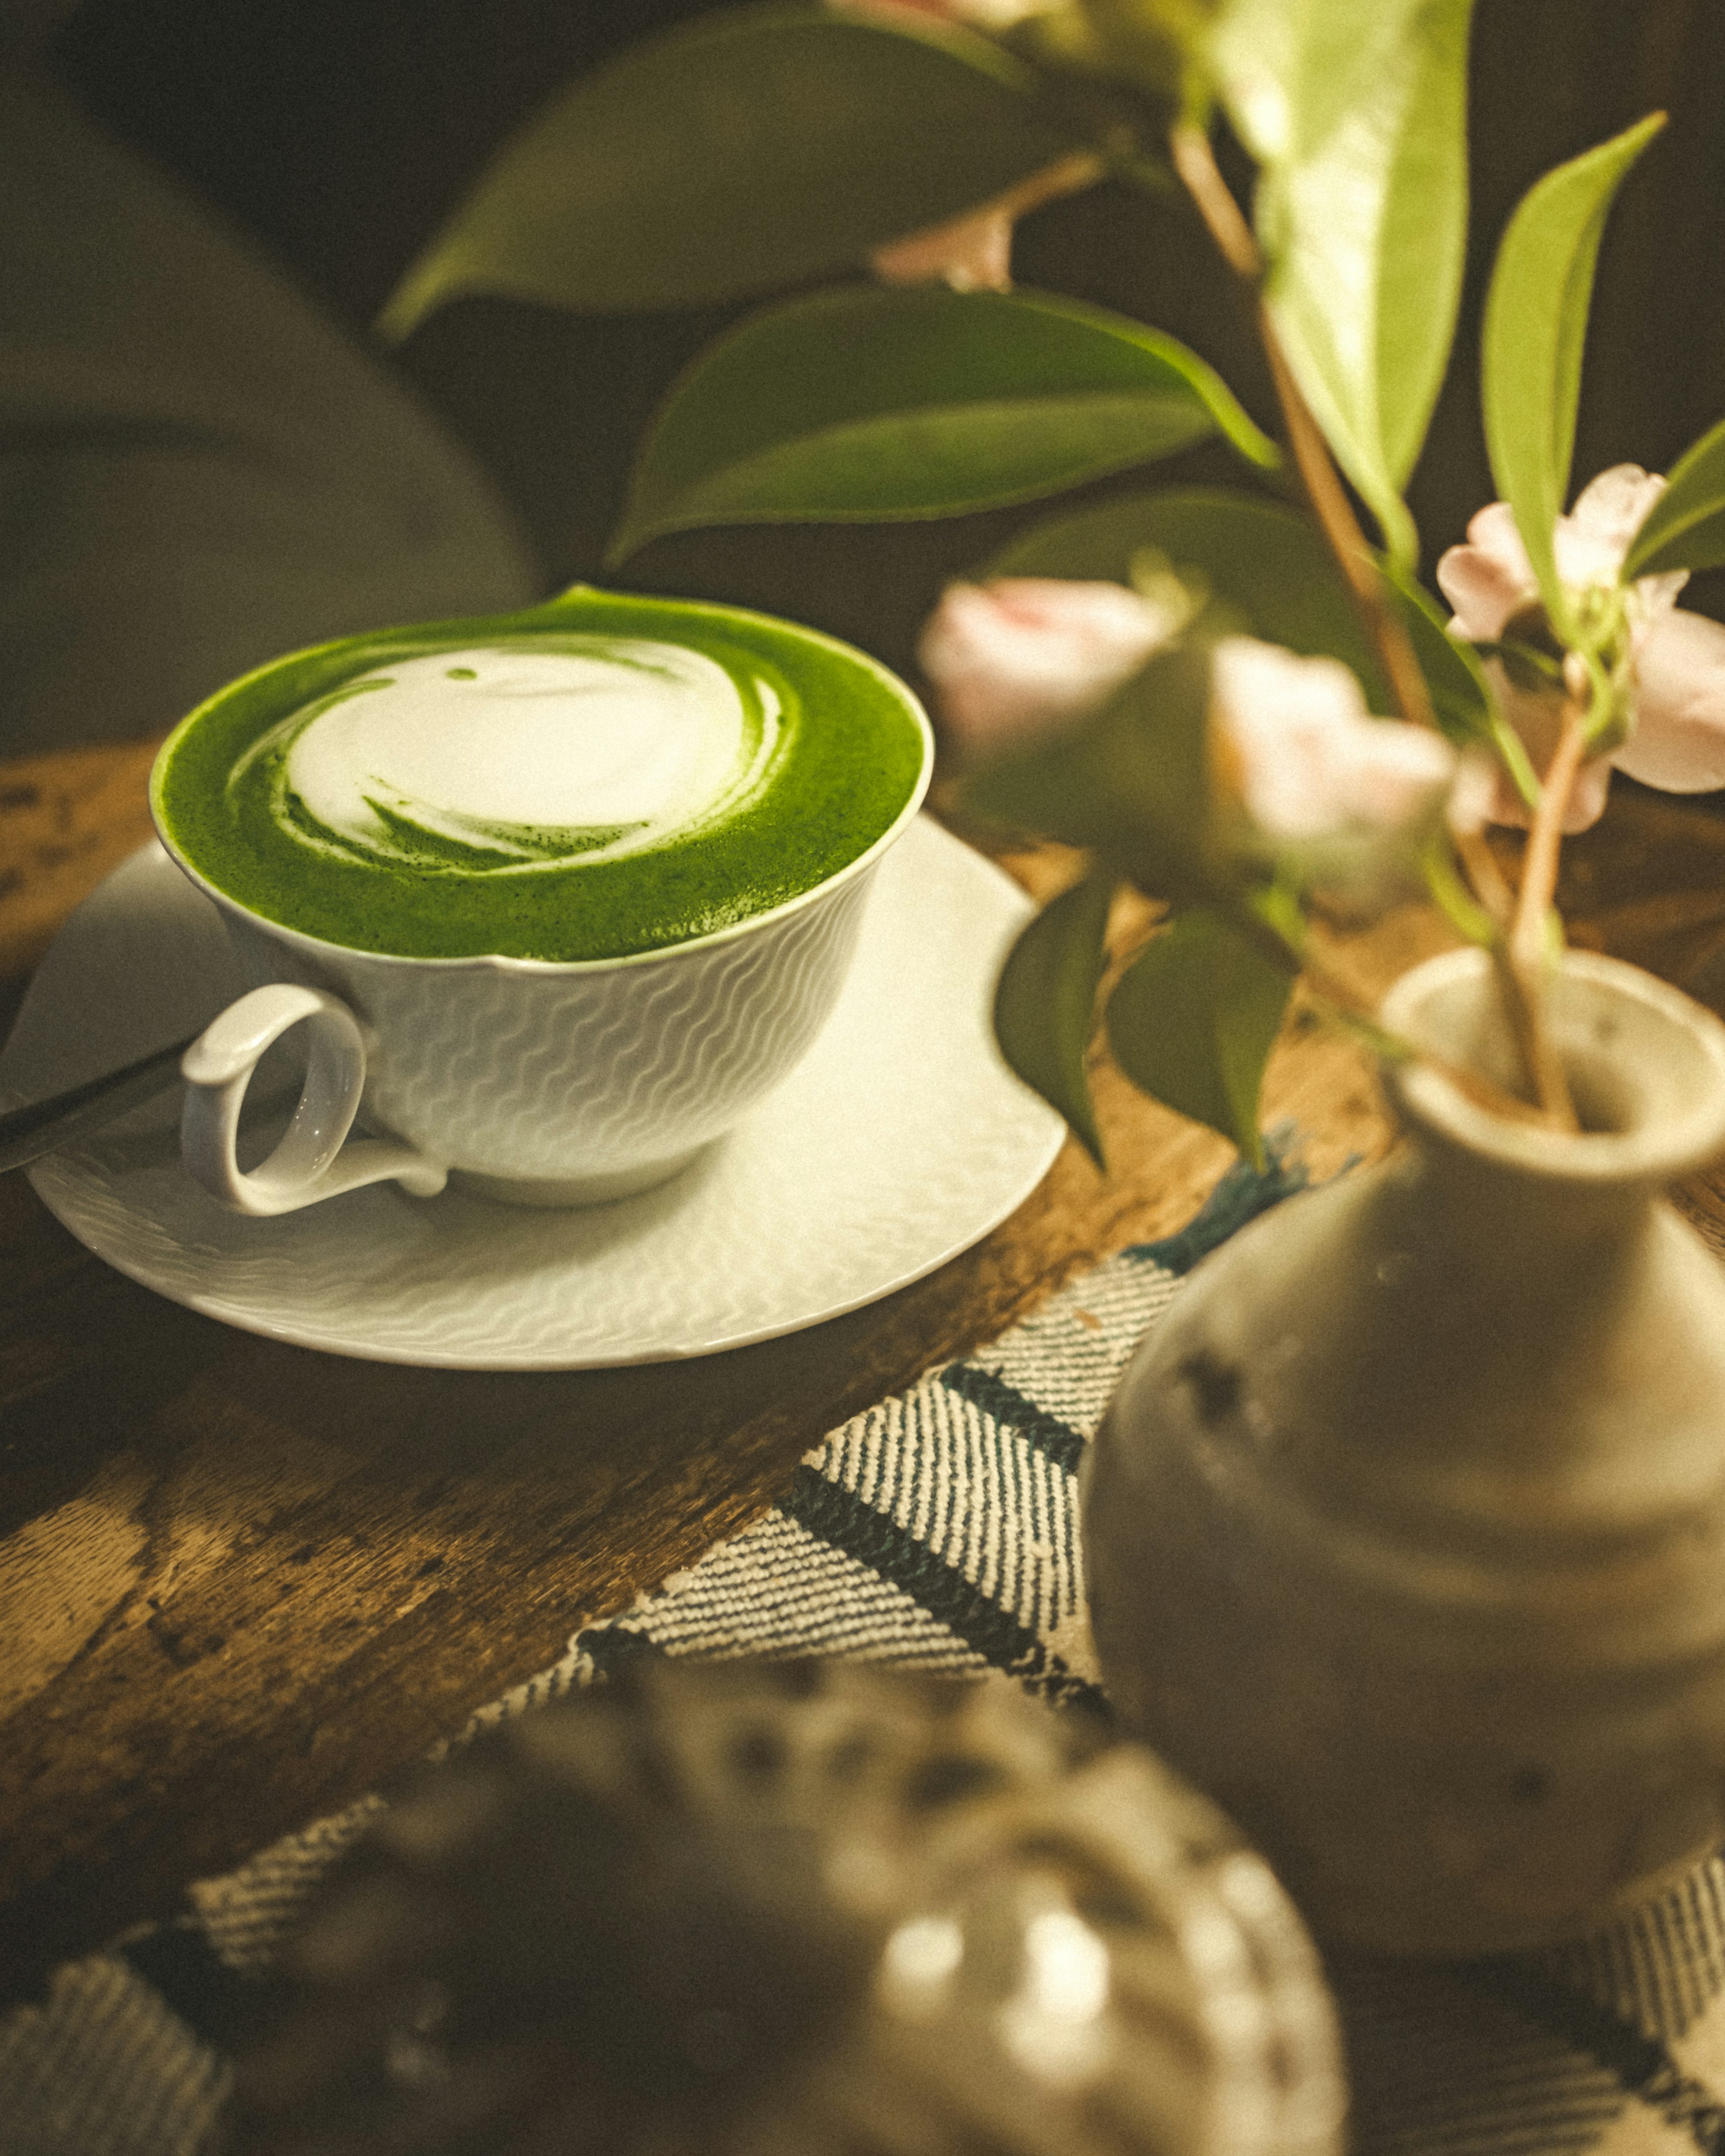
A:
{"x":1516,"y":1234}
{"x":1646,"y":1067}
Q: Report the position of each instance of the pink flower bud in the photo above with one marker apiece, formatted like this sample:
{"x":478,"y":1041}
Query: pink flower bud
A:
{"x":973,"y":252}
{"x":1307,"y":759}
{"x":978,"y":14}
{"x":1026,"y":655}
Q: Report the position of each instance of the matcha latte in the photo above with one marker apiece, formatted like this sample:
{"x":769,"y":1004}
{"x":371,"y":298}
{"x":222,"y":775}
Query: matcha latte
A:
{"x":595,"y":778}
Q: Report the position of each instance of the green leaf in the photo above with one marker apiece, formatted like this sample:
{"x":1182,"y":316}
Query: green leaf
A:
{"x":1192,"y":1022}
{"x":756,"y":146}
{"x":860,"y":404}
{"x":1264,"y":563}
{"x":1132,"y":782}
{"x":1044,"y":1007}
{"x":1685,"y":529}
{"x":1535,"y":325}
{"x":1461,"y":693}
{"x":1356,"y":110}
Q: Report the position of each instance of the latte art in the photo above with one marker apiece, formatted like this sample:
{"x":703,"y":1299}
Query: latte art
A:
{"x":506,"y":759}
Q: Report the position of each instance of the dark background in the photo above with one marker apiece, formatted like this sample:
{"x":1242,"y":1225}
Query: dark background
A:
{"x":336,"y":133}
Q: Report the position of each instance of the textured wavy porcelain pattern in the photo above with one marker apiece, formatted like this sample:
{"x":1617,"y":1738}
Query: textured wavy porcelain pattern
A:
{"x":514,"y":1072}
{"x":899,"y":1140}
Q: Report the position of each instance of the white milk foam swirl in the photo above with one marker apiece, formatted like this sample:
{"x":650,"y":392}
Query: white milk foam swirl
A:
{"x":513,"y":759}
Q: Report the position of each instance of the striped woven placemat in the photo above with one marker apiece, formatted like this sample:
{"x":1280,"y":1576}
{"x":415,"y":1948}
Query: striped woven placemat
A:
{"x":939,"y":1529}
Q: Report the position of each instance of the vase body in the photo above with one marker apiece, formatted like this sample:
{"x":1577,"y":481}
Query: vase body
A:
{"x":1406,"y":1528}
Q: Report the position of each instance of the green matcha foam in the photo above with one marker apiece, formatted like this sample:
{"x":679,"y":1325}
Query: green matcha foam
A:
{"x":594,"y":779}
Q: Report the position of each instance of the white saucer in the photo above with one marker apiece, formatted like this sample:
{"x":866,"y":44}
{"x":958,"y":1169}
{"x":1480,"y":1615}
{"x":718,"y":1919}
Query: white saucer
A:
{"x":900,"y":1141}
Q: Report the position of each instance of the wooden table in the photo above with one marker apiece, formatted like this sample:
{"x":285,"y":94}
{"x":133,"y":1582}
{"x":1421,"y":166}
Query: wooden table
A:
{"x":240,"y":1582}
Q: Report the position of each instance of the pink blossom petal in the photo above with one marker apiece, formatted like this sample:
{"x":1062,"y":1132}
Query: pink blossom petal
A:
{"x":1592,"y":539}
{"x":1489,"y":578}
{"x":1024,"y":655}
{"x":972,"y":252}
{"x":1482,"y":591}
{"x":1656,"y":597}
{"x":1536,"y":715}
{"x":1678,"y":743}
{"x":1494,"y":530}
{"x":1485,"y":795}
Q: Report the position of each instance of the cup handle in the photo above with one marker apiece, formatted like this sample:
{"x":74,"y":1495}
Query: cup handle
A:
{"x":312,"y":1160}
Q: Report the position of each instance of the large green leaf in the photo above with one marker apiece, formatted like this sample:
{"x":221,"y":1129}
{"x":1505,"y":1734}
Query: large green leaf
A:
{"x":1132,"y":782}
{"x":1044,"y":1007}
{"x":1193,"y":1019}
{"x":754,"y":147}
{"x":1535,"y":325}
{"x":1685,"y":529}
{"x":1265,"y":564}
{"x":862,"y":404}
{"x":1356,"y":110}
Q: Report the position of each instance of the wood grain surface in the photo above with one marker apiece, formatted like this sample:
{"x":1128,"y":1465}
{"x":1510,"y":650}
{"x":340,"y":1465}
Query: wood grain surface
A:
{"x":240,"y":1582}
{"x":65,"y":820}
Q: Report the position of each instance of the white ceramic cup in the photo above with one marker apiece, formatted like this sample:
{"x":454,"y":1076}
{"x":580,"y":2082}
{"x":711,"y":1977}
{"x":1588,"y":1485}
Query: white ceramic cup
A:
{"x":540,"y":1083}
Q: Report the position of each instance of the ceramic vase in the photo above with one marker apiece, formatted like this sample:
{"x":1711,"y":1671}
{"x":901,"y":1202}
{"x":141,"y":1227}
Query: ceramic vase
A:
{"x":1406,"y":1527}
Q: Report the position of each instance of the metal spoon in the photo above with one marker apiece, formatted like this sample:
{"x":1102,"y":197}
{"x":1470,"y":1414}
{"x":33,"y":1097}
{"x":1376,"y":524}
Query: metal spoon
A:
{"x":27,"y":1133}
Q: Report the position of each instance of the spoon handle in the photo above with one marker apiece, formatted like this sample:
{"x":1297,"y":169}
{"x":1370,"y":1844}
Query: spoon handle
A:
{"x":28,"y":1133}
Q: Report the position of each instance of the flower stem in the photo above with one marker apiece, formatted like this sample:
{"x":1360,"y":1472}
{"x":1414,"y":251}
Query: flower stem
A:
{"x":1194,"y":161}
{"x":1348,"y":1005}
{"x":1539,"y":863}
{"x":1471,"y":1084}
{"x":1526,"y":945}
